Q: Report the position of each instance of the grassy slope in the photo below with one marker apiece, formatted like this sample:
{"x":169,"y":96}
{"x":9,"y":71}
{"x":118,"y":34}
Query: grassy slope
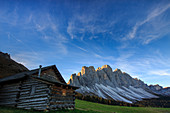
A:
{"x":84,"y":105}
{"x":15,"y":110}
{"x":89,"y":107}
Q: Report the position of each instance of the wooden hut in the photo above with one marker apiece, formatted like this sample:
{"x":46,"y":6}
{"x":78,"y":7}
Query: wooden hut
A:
{"x":39,"y":89}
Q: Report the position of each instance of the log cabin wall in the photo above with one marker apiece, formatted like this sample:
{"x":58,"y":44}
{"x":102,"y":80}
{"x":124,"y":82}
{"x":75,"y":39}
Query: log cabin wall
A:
{"x":34,"y":94}
{"x":27,"y":91}
{"x":62,"y":97}
{"x":9,"y":94}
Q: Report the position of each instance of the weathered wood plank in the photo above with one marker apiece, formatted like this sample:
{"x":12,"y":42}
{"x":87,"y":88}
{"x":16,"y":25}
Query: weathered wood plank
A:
{"x":9,"y":90}
{"x":8,"y":99}
{"x":11,"y":85}
{"x":61,"y":94}
{"x":61,"y":97}
{"x":8,"y":96}
{"x":32,"y":81}
{"x":30,"y":84}
{"x":62,"y":102}
{"x":11,"y":93}
{"x":45,"y":82}
{"x":36,"y":91}
{"x":36,"y":108}
{"x":33,"y":103}
{"x":60,"y":89}
{"x":8,"y":103}
{"x":27,"y":95}
{"x":59,"y":106}
{"x":33,"y":96}
{"x":32,"y":100}
{"x":37,"y":87}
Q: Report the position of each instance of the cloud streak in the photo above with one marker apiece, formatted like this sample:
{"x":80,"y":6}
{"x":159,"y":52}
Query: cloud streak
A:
{"x":155,"y":13}
{"x":85,"y":25}
{"x":160,"y":72}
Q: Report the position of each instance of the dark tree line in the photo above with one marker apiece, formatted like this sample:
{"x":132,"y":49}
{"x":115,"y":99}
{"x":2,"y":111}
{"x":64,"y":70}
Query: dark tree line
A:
{"x":162,"y":101}
{"x":101,"y":100}
{"x":157,"y":102}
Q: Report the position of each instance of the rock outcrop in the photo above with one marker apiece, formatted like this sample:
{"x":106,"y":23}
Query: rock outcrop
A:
{"x":108,"y":84}
{"x":8,"y":66}
{"x":160,"y":90}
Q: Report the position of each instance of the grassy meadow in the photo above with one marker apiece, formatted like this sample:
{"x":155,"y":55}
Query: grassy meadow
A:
{"x":84,"y":105}
{"x":89,"y":107}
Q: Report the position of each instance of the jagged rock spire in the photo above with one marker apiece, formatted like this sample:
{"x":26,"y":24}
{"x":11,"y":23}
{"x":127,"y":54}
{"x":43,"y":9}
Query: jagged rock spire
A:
{"x":107,"y":83}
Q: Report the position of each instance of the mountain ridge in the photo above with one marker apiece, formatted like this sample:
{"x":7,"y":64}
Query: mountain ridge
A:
{"x":117,"y":85}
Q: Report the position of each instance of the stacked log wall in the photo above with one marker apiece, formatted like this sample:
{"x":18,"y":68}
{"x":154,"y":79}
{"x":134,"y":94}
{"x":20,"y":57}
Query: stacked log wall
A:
{"x":34,"y":94}
{"x":60,"y":101}
{"x":9,"y":94}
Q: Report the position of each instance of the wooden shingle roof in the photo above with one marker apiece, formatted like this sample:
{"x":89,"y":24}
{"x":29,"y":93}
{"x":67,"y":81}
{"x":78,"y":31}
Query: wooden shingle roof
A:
{"x":30,"y":73}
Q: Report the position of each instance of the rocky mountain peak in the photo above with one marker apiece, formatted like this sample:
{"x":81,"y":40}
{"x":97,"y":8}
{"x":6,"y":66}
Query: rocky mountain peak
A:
{"x":99,"y":68}
{"x":84,"y":70}
{"x":116,"y":84}
{"x":107,"y":67}
{"x":110,"y":84}
{"x":92,"y":68}
{"x":156,"y":87}
{"x":117,"y":70}
{"x":89,"y":76}
{"x":79,"y":74}
{"x":73,"y":76}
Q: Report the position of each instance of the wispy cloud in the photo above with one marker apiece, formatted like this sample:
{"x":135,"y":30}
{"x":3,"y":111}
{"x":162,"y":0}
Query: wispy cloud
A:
{"x":28,"y":59}
{"x":49,"y":29}
{"x":160,"y":72}
{"x":23,"y":44}
{"x":80,"y":48}
{"x":111,"y":58}
{"x":40,"y":27}
{"x":153,"y":14}
{"x":90,"y":26}
{"x":9,"y":17}
{"x":151,"y":37}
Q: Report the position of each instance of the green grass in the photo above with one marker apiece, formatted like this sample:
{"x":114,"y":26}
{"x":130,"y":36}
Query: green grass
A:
{"x":89,"y":107}
{"x":85,"y":105}
{"x":15,"y":110}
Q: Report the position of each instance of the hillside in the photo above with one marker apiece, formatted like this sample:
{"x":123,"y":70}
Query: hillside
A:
{"x":114,"y":85}
{"x":162,"y":101}
{"x":109,"y":84}
{"x":84,"y":105}
{"x":89,"y":107}
{"x":8,"y":66}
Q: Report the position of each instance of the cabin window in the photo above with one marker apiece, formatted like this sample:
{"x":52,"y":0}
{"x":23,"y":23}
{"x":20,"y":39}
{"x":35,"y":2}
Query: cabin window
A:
{"x":63,"y":92}
{"x":32,"y":90}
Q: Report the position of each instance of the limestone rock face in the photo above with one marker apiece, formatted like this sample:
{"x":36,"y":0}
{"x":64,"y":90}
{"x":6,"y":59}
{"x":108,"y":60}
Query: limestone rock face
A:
{"x":116,"y":84}
{"x":155,"y":87}
{"x":160,"y":90}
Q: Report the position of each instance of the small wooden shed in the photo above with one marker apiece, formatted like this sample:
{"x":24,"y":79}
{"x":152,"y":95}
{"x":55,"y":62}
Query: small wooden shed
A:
{"x":39,"y":89}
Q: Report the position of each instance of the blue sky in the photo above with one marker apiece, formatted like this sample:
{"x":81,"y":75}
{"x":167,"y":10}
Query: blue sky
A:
{"x":131,"y":35}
